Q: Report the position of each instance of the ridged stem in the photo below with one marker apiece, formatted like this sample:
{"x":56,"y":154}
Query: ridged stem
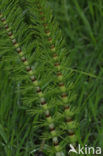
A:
{"x":36,"y":85}
{"x":64,"y":95}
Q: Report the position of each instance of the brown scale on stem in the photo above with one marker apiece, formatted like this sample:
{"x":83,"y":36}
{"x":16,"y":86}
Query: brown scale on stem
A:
{"x":69,"y":120}
{"x":56,"y":144}
{"x":18,"y":50}
{"x":41,"y":13}
{"x":14,"y":41}
{"x":47,"y":32}
{"x":71,"y":133}
{"x":59,"y":74}
{"x":57,"y":64}
{"x":38,"y":90}
{"x":52,"y":129}
{"x":50,"y":39}
{"x":55,"y":56}
{"x":61,"y":84}
{"x":52,"y":46}
{"x":6,"y":26}
{"x":23,"y":59}
{"x":45,"y":25}
{"x":33,"y":78}
{"x":67,"y":107}
{"x":3,"y":19}
{"x":64,"y":95}
{"x":47,"y":115}
{"x":28,"y":68}
{"x":43,"y":102}
{"x":10,"y":33}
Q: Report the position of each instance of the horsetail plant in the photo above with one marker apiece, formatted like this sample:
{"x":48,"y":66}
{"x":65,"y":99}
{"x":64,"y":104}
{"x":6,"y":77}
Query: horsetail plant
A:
{"x":35,"y":82}
{"x":48,"y":33}
{"x":41,"y":44}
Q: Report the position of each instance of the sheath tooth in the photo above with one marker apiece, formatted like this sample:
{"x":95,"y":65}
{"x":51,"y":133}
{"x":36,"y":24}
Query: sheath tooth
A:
{"x":52,"y":47}
{"x":23,"y":59}
{"x":57,"y":65}
{"x":18,"y":49}
{"x":45,"y":25}
{"x":70,"y":132}
{"x":6,"y":26}
{"x":28,"y":68}
{"x":47,"y":113}
{"x":64,"y":95}
{"x":38,"y":89}
{"x":47,"y":32}
{"x":69,"y":119}
{"x":41,"y":13}
{"x":50,"y":39}
{"x":55,"y":56}
{"x":60,"y":76}
{"x":42,"y":100}
{"x":14,"y":41}
{"x":10,"y":33}
{"x":3,"y":19}
{"x":55,"y":140}
{"x":33,"y":78}
{"x":67,"y":107}
{"x":51,"y":126}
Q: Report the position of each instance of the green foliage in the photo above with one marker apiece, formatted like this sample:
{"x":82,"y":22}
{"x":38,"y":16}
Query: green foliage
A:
{"x":76,"y":43}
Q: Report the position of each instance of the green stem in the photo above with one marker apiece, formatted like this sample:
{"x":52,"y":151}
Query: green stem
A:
{"x":64,"y":95}
{"x":35,"y":83}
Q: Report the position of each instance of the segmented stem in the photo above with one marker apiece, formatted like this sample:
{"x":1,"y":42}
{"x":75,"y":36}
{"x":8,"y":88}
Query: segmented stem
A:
{"x":36,"y":85}
{"x":64,"y":95}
